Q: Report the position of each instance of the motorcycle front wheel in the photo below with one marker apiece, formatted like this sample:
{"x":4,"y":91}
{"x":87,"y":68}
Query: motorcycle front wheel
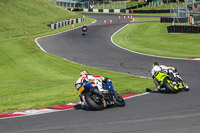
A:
{"x":94,"y":101}
{"x":119,"y":101}
{"x":168,"y":86}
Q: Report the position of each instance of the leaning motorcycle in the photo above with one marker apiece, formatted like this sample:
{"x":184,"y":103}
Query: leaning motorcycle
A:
{"x":84,"y":30}
{"x":171,"y":81}
{"x":99,"y":100}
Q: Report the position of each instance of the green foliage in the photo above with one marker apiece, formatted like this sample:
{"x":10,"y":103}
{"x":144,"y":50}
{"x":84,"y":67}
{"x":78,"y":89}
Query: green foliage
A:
{"x":162,"y":6}
{"x":134,"y":3}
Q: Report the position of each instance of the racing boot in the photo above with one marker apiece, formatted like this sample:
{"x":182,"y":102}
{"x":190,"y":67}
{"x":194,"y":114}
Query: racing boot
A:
{"x":158,"y":86}
{"x":83,"y":102}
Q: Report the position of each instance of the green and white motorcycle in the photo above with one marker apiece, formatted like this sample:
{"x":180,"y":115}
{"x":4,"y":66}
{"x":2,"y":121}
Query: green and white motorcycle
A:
{"x":171,"y":81}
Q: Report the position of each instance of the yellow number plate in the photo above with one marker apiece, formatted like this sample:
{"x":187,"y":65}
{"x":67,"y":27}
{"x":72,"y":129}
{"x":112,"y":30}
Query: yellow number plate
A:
{"x":80,"y":90}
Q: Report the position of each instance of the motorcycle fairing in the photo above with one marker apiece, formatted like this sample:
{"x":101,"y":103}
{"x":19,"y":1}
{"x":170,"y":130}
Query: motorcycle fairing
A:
{"x":160,"y":76}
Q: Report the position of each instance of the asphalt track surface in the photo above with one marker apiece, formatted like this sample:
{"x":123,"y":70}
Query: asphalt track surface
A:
{"x":153,"y":113}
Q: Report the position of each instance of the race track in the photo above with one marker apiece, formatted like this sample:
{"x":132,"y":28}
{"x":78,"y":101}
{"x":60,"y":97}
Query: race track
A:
{"x":152,"y":113}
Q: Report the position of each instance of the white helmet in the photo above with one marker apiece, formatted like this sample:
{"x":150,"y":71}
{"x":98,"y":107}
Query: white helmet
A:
{"x":155,"y":69}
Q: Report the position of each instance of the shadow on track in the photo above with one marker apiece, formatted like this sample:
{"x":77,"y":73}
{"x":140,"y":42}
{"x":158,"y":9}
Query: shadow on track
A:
{"x":79,"y":107}
{"x":163,"y":91}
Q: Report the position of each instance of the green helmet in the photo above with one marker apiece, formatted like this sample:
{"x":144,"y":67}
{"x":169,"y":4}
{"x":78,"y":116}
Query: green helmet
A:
{"x":83,"y":72}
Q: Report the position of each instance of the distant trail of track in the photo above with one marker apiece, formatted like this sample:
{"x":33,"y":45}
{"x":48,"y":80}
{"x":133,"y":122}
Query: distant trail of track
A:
{"x":153,"y":113}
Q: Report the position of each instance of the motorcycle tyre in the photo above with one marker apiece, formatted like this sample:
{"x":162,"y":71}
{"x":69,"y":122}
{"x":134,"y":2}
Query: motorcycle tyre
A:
{"x":169,"y":87}
{"x":120,"y":103}
{"x":92,"y":103}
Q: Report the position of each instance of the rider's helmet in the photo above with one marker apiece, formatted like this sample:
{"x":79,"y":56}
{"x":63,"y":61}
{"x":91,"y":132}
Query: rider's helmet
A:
{"x":84,"y":28}
{"x":156,"y":64}
{"x":83,"y":72}
{"x":156,"y":68}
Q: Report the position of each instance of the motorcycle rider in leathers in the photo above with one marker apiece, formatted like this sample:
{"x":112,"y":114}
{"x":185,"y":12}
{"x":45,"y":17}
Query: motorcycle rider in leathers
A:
{"x":162,"y":68}
{"x":88,"y":78}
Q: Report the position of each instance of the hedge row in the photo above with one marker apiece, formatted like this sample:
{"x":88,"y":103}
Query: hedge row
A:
{"x":170,"y":20}
{"x":183,"y":29}
{"x":152,"y":11}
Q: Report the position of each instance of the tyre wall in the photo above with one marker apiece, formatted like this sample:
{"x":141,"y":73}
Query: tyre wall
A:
{"x":66,"y":22}
{"x":170,"y":20}
{"x":152,"y":11}
{"x":183,"y":29}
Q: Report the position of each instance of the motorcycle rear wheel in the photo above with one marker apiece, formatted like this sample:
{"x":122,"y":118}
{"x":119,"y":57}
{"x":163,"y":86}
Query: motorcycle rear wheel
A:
{"x":84,"y":33}
{"x":94,"y":101}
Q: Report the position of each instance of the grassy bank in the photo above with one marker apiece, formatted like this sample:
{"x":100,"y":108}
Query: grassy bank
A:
{"x":153,"y":38}
{"x":31,"y":78}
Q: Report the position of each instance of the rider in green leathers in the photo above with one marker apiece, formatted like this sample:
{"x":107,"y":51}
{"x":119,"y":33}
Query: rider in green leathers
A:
{"x":164,"y":69}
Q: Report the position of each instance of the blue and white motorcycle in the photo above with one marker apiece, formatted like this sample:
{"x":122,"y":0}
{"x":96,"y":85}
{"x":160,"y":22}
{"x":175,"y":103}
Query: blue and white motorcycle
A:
{"x":97,"y":99}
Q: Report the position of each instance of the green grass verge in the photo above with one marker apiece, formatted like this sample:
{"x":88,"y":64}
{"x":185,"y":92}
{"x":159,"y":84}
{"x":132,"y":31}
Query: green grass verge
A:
{"x":31,"y":78}
{"x":153,"y":38}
